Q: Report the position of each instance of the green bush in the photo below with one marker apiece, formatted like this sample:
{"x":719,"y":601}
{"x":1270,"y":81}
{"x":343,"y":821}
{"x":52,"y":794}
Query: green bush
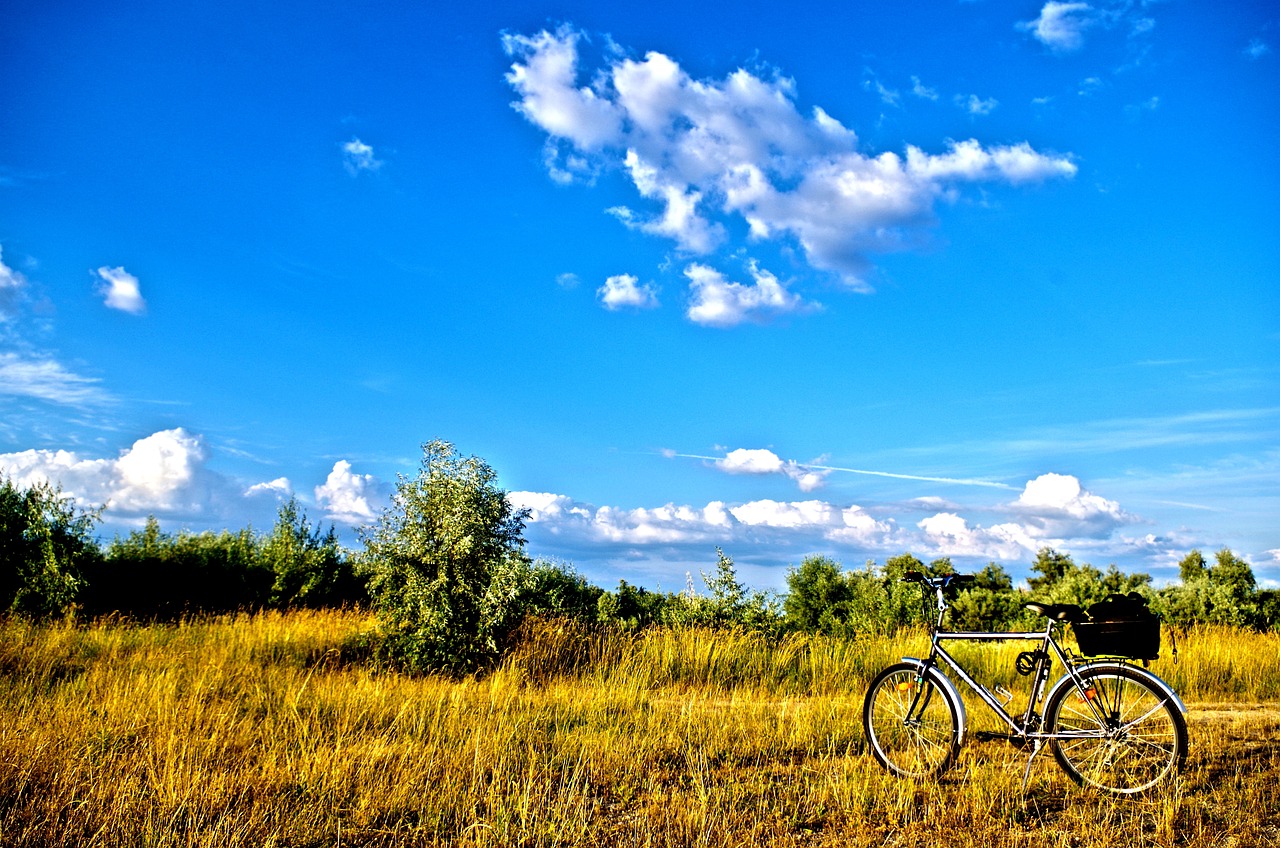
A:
{"x":446,"y":566}
{"x":45,"y":547}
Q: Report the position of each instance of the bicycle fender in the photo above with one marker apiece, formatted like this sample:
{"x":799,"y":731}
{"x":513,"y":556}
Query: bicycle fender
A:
{"x":944,"y":682}
{"x":1112,"y":665}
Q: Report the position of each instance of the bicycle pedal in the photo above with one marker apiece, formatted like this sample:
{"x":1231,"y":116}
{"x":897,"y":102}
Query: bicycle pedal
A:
{"x":991,"y":736}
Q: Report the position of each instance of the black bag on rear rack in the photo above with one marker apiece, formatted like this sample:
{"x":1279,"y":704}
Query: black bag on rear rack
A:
{"x":1120,"y":626}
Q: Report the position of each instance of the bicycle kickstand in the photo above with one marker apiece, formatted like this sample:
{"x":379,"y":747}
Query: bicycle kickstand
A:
{"x":1026,"y":775}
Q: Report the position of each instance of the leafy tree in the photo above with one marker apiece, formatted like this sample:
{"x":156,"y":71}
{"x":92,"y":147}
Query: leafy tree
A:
{"x":310,"y":567}
{"x":819,"y":597}
{"x":1223,"y":593}
{"x":632,"y":606}
{"x":1051,"y":567}
{"x":989,"y":604}
{"x":45,"y":548}
{"x":446,"y":564}
{"x":555,"y":589}
{"x":1193,"y":567}
{"x":151,"y":573}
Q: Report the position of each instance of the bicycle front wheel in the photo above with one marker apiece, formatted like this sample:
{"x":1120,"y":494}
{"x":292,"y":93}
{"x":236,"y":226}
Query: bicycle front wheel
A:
{"x":911,"y":723}
{"x":1119,"y":732}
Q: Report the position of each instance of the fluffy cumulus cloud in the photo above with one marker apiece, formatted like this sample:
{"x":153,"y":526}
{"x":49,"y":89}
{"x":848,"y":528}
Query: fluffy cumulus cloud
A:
{"x":350,"y":498}
{"x":278,"y":489}
{"x":624,"y":291}
{"x":120,"y":290}
{"x":675,"y":530}
{"x":358,"y":157}
{"x":715,"y":301}
{"x":167,"y":474}
{"x":162,"y":474}
{"x":1057,"y":506}
{"x":1061,"y":26}
{"x":1051,"y":510}
{"x":764,"y":461}
{"x":702,"y":153}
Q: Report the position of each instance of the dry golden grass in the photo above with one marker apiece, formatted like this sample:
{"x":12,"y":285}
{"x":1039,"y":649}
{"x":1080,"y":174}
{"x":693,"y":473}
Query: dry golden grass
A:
{"x":255,"y":730}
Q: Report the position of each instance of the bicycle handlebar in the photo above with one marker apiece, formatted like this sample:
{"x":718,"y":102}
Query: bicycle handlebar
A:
{"x":943,"y":581}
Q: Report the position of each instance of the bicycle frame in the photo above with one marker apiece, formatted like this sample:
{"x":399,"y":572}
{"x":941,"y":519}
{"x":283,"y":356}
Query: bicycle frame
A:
{"x":1125,"y":734}
{"x":1028,"y":725}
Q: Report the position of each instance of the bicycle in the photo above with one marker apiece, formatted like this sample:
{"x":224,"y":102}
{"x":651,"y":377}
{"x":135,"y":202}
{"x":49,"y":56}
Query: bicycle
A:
{"x":1110,"y":723}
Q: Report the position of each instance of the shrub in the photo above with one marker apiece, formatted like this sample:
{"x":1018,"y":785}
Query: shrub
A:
{"x":446,"y":565}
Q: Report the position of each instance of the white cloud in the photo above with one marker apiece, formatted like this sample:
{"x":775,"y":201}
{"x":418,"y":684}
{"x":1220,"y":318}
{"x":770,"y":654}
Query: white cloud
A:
{"x":923,"y":91}
{"x":704,"y":151}
{"x":947,"y":534}
{"x":623,"y":291}
{"x":12,"y":287}
{"x":157,"y":473}
{"x":351,"y":499}
{"x":975,"y":105}
{"x":1056,"y":506}
{"x":764,"y":461}
{"x":717,"y":302}
{"x":1257,"y":48}
{"x":120,"y":290}
{"x":549,"y":96}
{"x":575,"y":526}
{"x":46,"y":379}
{"x":162,"y":473}
{"x":358,"y":156}
{"x":750,"y":461}
{"x":1051,"y":510}
{"x":1061,"y":26}
{"x":969,"y":161}
{"x":279,"y":488}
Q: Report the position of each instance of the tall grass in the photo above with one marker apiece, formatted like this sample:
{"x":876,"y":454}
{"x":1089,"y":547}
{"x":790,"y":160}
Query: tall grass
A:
{"x":263,"y":730}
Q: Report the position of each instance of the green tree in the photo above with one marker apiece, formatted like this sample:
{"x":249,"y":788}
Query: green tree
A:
{"x":446,"y":564}
{"x":819,"y":597}
{"x":1193,"y":567}
{"x":1051,"y":567}
{"x":1222,"y":593}
{"x":989,"y":604}
{"x":46,"y":545}
{"x":309,"y":566}
{"x":631,"y":606}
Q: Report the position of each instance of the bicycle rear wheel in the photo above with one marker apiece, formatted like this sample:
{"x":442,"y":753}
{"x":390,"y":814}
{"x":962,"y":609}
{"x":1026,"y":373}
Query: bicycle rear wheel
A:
{"x":1126,"y":736}
{"x":911,"y":723}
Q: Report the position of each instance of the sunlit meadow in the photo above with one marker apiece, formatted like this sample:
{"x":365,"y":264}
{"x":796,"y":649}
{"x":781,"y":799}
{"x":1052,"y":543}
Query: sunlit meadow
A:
{"x":278,"y":729}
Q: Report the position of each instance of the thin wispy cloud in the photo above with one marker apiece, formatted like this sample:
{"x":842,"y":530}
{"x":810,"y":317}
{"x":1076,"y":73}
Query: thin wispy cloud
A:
{"x":46,"y":379}
{"x":13,"y":286}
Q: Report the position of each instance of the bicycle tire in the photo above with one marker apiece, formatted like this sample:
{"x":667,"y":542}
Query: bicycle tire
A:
{"x":1133,"y":737}
{"x":921,"y":744}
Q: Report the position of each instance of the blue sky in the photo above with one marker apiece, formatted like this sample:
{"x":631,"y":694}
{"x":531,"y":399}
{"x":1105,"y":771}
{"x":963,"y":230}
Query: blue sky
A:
{"x":962,"y":278}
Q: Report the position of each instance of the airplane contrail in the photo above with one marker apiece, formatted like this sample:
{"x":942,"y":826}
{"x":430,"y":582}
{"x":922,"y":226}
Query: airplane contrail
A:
{"x":991,"y":484}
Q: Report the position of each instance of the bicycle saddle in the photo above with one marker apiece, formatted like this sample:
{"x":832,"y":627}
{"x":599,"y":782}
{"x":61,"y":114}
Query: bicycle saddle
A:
{"x":1058,"y":612}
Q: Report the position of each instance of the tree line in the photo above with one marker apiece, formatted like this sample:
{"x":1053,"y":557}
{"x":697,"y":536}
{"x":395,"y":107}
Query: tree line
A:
{"x":446,"y":571}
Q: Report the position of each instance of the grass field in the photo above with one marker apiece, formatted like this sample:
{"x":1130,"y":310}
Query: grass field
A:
{"x":264,"y":730}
